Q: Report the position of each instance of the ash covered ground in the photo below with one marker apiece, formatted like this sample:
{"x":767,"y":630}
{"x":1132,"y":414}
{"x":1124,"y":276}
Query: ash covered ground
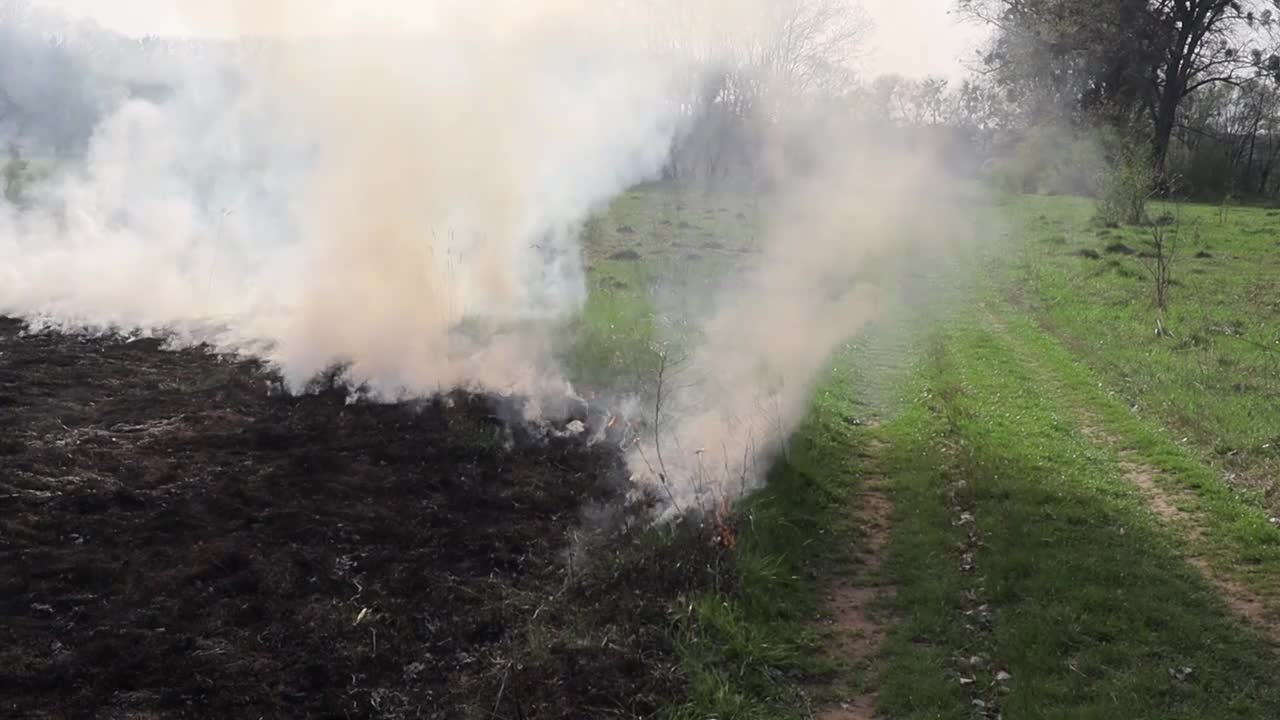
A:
{"x":178,"y":541}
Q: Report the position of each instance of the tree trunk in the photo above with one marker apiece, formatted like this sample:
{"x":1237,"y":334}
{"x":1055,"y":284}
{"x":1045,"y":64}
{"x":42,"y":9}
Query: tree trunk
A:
{"x":1248,"y":166}
{"x":1171,"y":94}
{"x":1166,"y":115}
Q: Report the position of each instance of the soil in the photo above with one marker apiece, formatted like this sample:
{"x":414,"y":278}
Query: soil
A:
{"x":859,"y":630}
{"x":179,"y":540}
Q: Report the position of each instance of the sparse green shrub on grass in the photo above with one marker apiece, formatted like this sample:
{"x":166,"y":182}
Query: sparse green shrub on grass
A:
{"x":1126,"y":184}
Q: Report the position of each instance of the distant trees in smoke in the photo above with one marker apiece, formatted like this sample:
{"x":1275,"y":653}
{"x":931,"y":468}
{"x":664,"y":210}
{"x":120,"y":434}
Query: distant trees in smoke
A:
{"x":58,"y":78}
{"x":47,"y":95}
{"x":1064,"y":86}
{"x":741,"y":120}
{"x":803,"y":51}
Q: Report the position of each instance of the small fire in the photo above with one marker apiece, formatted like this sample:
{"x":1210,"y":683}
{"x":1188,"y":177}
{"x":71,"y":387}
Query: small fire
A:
{"x":725,"y":536}
{"x":612,"y":419}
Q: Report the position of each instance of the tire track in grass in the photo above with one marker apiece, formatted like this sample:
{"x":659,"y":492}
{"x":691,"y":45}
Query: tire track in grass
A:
{"x":857,"y":605}
{"x":1242,"y":601}
{"x":1092,"y":611}
{"x":862,"y":625}
{"x":941,"y":660}
{"x":1246,"y":604}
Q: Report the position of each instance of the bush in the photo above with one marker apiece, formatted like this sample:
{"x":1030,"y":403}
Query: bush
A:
{"x":1049,"y":161}
{"x":1109,"y":165}
{"x":1125,"y":185}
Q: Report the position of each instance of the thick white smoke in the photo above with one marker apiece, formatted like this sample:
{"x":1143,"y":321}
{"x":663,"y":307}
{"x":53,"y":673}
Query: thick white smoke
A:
{"x":857,"y":216}
{"x":401,"y":188}
{"x":352,"y":192}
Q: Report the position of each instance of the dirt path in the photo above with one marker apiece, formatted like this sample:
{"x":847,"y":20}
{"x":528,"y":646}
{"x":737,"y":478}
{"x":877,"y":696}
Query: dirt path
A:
{"x":1245,"y":603}
{"x":859,"y":631}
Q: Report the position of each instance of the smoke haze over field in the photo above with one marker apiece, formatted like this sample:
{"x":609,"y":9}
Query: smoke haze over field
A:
{"x":331,"y":197}
{"x":851,"y":232}
{"x":402,"y":190}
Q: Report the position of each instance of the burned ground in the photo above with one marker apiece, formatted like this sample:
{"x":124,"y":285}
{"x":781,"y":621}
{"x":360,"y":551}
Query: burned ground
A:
{"x":176,"y":540}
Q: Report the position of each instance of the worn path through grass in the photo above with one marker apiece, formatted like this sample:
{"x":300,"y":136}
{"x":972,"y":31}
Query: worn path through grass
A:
{"x":1034,"y":579}
{"x":1226,"y":539}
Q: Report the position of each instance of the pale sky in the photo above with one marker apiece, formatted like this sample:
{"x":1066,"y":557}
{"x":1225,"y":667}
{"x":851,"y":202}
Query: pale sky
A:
{"x":138,"y":17}
{"x":912,"y":37}
{"x":919,"y":37}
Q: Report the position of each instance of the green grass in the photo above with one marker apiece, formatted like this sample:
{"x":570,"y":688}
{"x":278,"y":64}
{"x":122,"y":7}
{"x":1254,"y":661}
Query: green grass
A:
{"x":1076,"y":588}
{"x":611,"y":344}
{"x":748,"y":645}
{"x":1090,"y":602}
{"x":1235,"y":533}
{"x":655,"y":258}
{"x":754,"y":649}
{"x":1216,"y":382}
{"x":662,"y":221}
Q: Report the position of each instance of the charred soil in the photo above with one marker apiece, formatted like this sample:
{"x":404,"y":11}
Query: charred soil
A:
{"x":177,"y":540}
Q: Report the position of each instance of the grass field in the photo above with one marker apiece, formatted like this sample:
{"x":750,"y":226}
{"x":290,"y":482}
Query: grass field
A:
{"x":1083,"y":509}
{"x":1216,"y":381}
{"x":1010,"y":498}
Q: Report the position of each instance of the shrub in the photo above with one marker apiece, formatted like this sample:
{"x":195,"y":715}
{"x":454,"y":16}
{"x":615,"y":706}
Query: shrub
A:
{"x":1126,"y":183}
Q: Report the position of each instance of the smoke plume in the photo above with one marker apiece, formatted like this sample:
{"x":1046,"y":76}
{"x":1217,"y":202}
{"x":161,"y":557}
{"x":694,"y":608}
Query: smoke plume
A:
{"x":340,"y":190}
{"x":401,"y":189}
{"x":856,"y":219}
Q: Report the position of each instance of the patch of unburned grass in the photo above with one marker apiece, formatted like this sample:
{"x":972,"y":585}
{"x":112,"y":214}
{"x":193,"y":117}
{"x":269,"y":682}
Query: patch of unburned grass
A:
{"x":746,"y":640}
{"x":664,"y":221}
{"x":611,"y":343}
{"x":653,"y":256}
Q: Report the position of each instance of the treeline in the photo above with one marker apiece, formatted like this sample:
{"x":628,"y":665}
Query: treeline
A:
{"x":1137,"y":96}
{"x":59,"y":79}
{"x":1118,"y":99}
{"x":1072,"y":96}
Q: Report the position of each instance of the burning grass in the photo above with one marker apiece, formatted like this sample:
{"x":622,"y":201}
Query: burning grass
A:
{"x":180,"y":538}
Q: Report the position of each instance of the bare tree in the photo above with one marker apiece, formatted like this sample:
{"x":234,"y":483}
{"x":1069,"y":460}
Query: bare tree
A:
{"x":1229,"y":138}
{"x":746,"y":81}
{"x":1162,"y":252}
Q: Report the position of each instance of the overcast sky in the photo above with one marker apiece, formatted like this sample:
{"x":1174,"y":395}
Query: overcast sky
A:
{"x":919,"y":37}
{"x":912,"y":37}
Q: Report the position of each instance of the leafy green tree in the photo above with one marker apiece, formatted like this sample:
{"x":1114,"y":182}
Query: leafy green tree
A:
{"x":1124,"y":62}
